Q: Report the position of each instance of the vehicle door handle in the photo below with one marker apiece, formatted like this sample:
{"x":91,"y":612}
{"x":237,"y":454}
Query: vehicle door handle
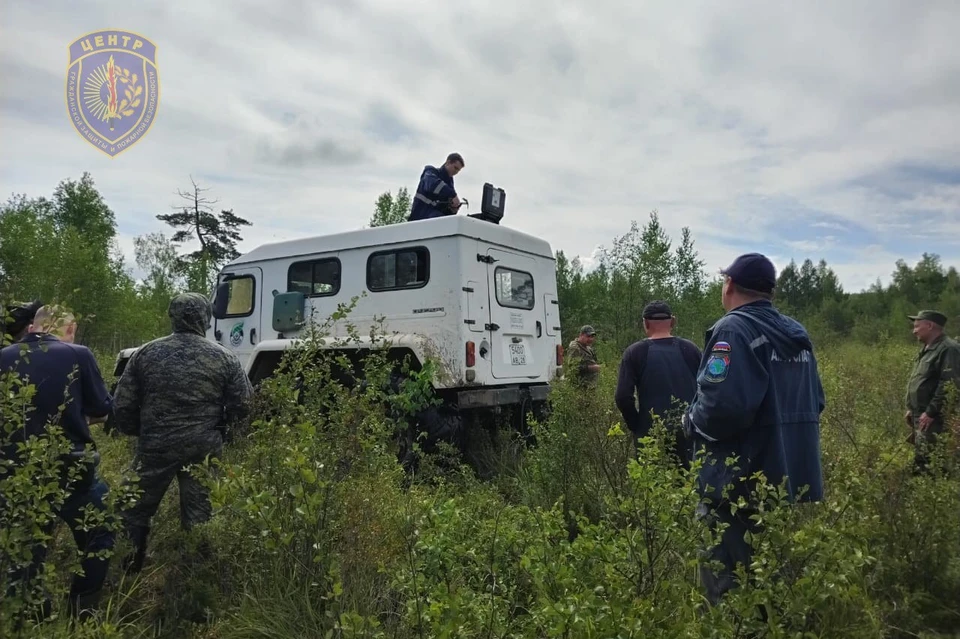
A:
{"x":539,"y":329}
{"x":253,"y":335}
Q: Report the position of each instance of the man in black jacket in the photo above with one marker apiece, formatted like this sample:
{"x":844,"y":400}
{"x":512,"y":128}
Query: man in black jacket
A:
{"x":662,"y":371}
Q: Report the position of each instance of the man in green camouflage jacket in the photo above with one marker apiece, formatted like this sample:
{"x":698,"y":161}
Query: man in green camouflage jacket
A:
{"x":177,"y":395}
{"x":582,"y":357}
{"x":936,"y":366}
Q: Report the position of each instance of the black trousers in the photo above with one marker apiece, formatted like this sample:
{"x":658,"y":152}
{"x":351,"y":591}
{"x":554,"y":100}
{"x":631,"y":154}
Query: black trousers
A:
{"x":733,"y":548}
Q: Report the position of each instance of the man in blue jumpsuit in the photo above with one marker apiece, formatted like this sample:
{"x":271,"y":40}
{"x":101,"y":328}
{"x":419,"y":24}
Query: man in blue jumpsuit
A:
{"x":69,"y":392}
{"x":759,"y":398}
{"x":436,"y":196}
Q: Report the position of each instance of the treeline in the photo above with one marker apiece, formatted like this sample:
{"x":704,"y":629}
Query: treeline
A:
{"x":65,"y":249}
{"x":644,"y":264}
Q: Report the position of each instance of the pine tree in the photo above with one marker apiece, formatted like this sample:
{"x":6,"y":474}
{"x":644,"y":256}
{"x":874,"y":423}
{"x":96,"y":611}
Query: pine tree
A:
{"x":217,"y":234}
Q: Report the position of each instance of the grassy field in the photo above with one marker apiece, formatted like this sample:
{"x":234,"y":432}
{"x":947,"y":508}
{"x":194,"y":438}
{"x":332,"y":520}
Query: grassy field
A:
{"x":317,"y":533}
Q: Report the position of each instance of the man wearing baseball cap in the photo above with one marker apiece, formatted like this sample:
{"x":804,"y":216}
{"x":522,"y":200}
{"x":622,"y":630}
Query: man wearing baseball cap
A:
{"x":759,"y":398}
{"x":581,"y":351}
{"x":655,"y":373}
{"x":936,"y":366}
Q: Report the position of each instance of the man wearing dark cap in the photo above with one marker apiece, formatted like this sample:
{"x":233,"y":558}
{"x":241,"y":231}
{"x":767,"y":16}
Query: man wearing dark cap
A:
{"x":662,"y":371}
{"x":936,"y":366}
{"x":759,"y":399}
{"x":580,"y":352}
{"x":17,"y":321}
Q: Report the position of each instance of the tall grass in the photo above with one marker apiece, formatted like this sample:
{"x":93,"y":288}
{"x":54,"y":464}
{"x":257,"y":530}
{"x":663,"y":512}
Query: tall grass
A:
{"x":318,"y":532}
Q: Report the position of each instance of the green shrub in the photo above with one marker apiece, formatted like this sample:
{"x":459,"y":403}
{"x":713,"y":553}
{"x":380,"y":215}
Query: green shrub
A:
{"x":320,"y":531}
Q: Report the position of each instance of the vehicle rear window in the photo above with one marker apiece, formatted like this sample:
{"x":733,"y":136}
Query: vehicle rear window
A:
{"x":514,"y":289}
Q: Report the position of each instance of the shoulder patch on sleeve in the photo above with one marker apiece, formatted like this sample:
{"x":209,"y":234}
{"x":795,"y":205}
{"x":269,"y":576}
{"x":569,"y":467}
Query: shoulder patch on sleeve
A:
{"x":717,"y":367}
{"x":721,"y":347}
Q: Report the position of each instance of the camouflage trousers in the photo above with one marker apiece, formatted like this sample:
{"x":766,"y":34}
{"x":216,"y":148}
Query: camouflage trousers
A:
{"x":157,"y":470}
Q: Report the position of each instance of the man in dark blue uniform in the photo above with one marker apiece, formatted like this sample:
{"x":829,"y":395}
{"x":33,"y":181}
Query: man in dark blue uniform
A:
{"x":662,"y":371}
{"x":759,"y":398}
{"x":64,"y":375}
{"x":436,"y":196}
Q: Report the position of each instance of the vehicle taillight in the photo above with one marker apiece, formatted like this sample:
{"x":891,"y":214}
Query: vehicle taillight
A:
{"x":471,"y":354}
{"x":559,"y":354}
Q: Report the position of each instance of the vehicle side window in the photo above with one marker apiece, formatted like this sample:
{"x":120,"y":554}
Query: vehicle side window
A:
{"x":514,"y":289}
{"x":240,"y":296}
{"x":315,"y":278}
{"x":398,"y":269}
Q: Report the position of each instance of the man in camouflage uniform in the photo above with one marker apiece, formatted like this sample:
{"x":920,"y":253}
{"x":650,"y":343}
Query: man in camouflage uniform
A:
{"x":178,"y":394}
{"x":937,"y":364}
{"x":580,"y":352}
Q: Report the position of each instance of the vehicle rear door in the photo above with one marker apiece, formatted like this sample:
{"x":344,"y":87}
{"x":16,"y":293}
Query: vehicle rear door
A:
{"x":516,"y":331}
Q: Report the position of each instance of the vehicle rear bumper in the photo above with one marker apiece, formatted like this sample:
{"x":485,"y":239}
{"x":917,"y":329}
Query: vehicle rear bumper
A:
{"x":501,"y":396}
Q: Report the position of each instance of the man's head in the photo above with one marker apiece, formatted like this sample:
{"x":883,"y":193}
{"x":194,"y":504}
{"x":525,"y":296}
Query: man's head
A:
{"x":18,"y":318}
{"x":588,"y":335}
{"x":928,"y":325}
{"x":56,"y":321}
{"x":454,"y":164}
{"x":658,"y":319}
{"x":749,"y":278}
{"x":190,"y":313}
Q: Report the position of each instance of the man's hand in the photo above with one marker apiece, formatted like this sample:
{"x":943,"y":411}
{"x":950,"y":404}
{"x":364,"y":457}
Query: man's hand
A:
{"x":925,"y":421}
{"x":455,"y":202}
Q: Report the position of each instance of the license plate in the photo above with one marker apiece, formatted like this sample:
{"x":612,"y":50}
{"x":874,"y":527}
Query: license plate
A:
{"x":518,"y":355}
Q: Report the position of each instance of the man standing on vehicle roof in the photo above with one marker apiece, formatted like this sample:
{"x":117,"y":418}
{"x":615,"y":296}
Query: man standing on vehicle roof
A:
{"x":436,"y":196}
{"x":936,"y":366}
{"x":759,"y":398}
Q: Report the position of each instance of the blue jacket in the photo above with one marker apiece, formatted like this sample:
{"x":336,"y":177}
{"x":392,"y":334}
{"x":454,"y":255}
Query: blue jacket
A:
{"x":434,"y":189}
{"x":47,"y":364}
{"x":759,"y":397}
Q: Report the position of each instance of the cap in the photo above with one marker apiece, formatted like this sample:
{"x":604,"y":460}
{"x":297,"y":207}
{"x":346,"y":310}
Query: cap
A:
{"x":21,"y":316}
{"x":753,"y":271}
{"x":658,"y":310}
{"x":588,"y":330}
{"x":936,"y":317}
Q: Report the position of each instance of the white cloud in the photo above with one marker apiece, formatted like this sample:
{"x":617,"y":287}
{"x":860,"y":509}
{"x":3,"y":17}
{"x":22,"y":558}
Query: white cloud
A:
{"x":299,"y":114}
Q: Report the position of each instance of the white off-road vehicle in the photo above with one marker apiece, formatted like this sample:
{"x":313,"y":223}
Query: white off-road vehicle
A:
{"x":477,"y":298}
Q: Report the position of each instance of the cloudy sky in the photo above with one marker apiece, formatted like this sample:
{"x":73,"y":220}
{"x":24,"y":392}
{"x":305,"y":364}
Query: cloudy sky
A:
{"x":824,"y":130}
